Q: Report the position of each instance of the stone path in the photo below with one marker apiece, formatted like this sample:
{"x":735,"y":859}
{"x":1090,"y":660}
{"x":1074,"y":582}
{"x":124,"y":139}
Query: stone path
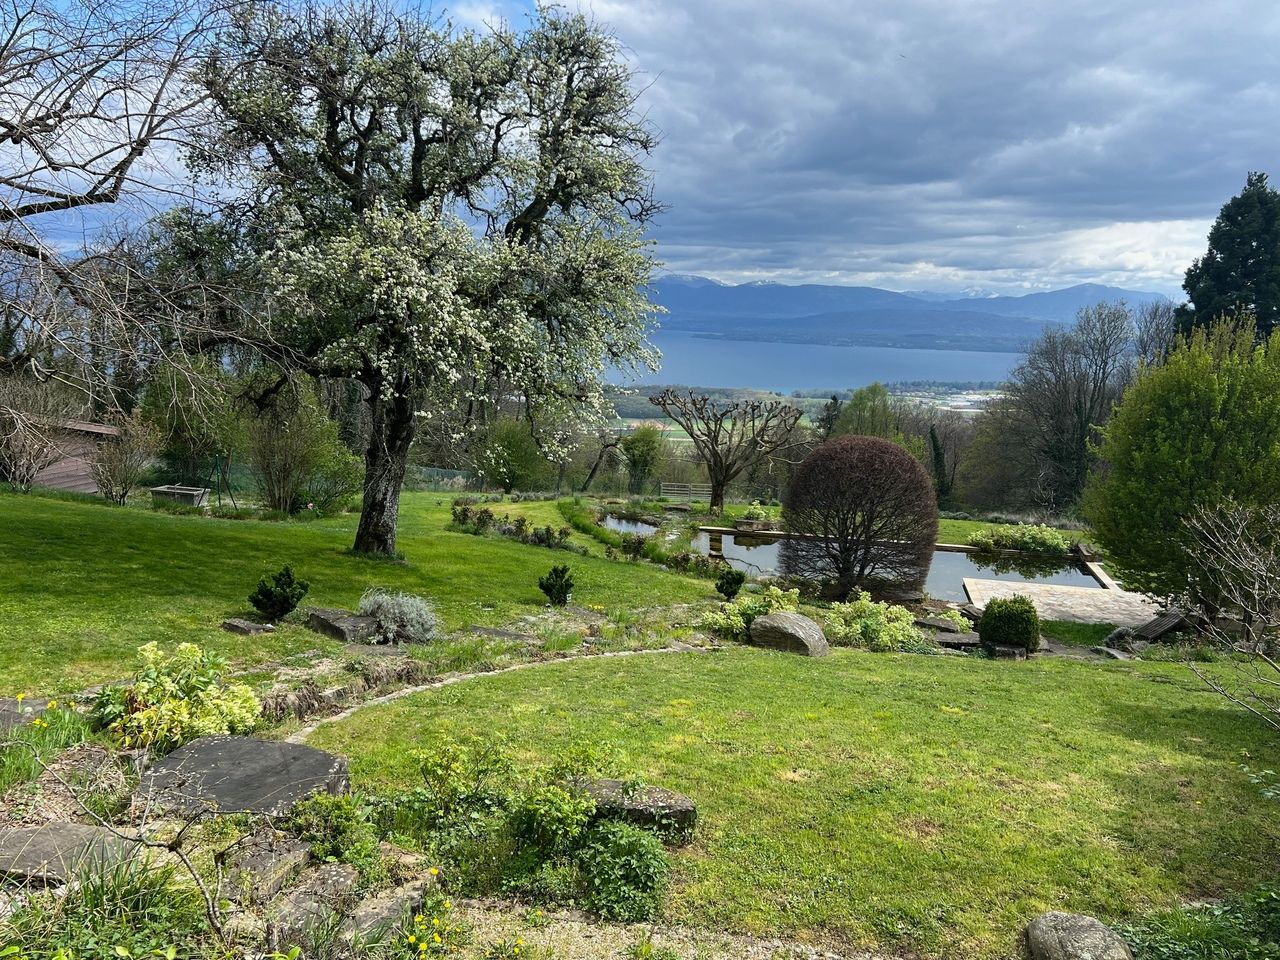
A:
{"x":1078,"y":604}
{"x":240,"y":775}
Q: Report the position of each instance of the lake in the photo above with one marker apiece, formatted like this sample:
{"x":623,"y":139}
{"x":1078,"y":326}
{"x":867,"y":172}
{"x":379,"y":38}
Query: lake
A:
{"x":784,"y":367}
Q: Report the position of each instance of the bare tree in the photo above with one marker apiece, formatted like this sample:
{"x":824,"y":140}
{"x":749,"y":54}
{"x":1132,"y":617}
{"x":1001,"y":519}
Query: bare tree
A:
{"x":1155,"y":328}
{"x":862,"y":508}
{"x":92,"y":103}
{"x":122,"y":461}
{"x":732,"y":437}
{"x":32,"y":428}
{"x":1237,"y":578}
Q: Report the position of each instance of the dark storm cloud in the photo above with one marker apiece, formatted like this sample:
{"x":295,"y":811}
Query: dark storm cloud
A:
{"x":946,"y":144}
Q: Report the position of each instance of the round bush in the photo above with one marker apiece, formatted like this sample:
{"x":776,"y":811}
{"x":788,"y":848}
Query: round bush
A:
{"x":868,"y":512}
{"x":1010,"y":622}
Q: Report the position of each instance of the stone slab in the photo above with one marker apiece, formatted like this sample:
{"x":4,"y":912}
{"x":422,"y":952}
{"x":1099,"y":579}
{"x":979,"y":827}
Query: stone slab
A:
{"x":373,"y":919}
{"x":258,"y":867}
{"x":241,"y":775}
{"x":959,"y":641}
{"x":323,"y":893}
{"x":938,"y":624}
{"x":1077,"y":604}
{"x":246,"y":628}
{"x":671,"y":815}
{"x":366,"y":650}
{"x":999,"y":651}
{"x":341,"y":624}
{"x":54,"y":852}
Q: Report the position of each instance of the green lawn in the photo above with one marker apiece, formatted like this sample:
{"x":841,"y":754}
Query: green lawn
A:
{"x":82,"y":584}
{"x":925,"y":804}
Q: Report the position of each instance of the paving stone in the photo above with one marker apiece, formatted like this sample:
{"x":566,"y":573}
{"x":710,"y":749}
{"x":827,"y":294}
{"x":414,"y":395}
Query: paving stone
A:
{"x":1001,"y":652}
{"x":672,"y":815}
{"x":1058,"y":602}
{"x":937,"y":623}
{"x":959,"y":641}
{"x":241,"y":775}
{"x":341,"y":624}
{"x":246,"y":627}
{"x":373,"y":919}
{"x":258,"y":867}
{"x":1111,"y":653}
{"x":55,"y":852}
{"x":322,"y":894}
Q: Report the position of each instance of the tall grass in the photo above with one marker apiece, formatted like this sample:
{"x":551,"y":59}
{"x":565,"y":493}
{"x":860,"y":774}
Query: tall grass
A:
{"x":24,"y":749}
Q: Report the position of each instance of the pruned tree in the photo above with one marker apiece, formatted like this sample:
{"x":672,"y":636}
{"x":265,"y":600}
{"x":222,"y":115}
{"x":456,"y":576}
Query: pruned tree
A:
{"x":121,"y":462}
{"x":440,"y":213}
{"x":732,"y":437}
{"x":862,"y":510}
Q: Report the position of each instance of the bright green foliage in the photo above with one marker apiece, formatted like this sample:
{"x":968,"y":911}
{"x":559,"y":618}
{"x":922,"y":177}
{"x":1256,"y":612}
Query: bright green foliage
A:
{"x":33,"y":744}
{"x":643,"y":449}
{"x":174,"y":699}
{"x":557,"y":585}
{"x":1010,"y":622}
{"x":1033,"y":538}
{"x":1240,"y":272}
{"x":434,"y":932}
{"x":1202,"y":428}
{"x":509,"y":458}
{"x":279,"y":594}
{"x":955,"y":617}
{"x":879,"y":627}
{"x":1243,"y":927}
{"x":733,"y":620}
{"x":625,"y":870}
{"x":342,"y":829}
{"x":729,"y":582}
{"x":551,"y":817}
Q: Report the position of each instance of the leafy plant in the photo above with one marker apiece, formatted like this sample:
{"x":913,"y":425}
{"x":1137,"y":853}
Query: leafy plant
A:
{"x":1010,"y":622}
{"x":50,"y":731}
{"x":730,"y":582}
{"x":176,"y":698}
{"x":733,"y":620}
{"x":434,"y":931}
{"x":755,"y":512}
{"x":400,"y":617}
{"x":279,"y":594}
{"x":879,"y":627}
{"x":550,"y":818}
{"x":1032,"y":538}
{"x":341,"y":829}
{"x":633,"y":545}
{"x":557,"y":585}
{"x":1243,"y":927}
{"x":624,"y":871}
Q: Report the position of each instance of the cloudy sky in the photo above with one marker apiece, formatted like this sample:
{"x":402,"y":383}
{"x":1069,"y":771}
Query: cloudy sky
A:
{"x":943,"y":144}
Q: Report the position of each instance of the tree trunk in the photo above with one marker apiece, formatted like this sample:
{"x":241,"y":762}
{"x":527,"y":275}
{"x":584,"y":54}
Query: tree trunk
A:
{"x":391,"y":434}
{"x":716,"y":506}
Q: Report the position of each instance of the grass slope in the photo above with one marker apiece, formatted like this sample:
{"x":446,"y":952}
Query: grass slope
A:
{"x":917,"y":803}
{"x":82,"y":585}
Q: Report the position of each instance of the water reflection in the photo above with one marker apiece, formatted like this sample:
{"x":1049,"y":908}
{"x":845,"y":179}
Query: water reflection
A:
{"x":623,"y":525}
{"x":760,"y":555}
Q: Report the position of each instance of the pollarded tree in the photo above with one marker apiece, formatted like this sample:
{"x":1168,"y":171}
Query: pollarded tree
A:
{"x":731,"y":438}
{"x":448,"y":214}
{"x":864,"y":510}
{"x":1192,"y":433}
{"x":1240,"y":272}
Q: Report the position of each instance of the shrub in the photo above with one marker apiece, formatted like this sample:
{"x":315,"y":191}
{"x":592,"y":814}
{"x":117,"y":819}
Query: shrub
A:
{"x":277,"y":596}
{"x":551,"y":818}
{"x":557,"y":585}
{"x":624,"y":871}
{"x":733,"y":620}
{"x":400,"y":617}
{"x":868,"y":511}
{"x":121,"y":462}
{"x":632,"y":545}
{"x":174,"y":699}
{"x":755,"y":512}
{"x":961,"y":622}
{"x":1010,"y":622}
{"x":1032,"y":538}
{"x":880,"y":627}
{"x":730,"y":582}
{"x":342,"y":829}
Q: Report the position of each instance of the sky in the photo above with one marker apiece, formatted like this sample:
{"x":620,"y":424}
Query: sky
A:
{"x":1002,"y":145}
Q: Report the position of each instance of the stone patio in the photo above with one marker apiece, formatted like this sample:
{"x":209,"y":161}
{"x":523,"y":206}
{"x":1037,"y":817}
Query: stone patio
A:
{"x":1078,"y":604}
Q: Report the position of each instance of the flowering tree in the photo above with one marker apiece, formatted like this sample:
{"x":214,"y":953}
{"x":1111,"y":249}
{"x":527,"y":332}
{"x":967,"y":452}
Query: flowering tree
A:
{"x":439,"y":213}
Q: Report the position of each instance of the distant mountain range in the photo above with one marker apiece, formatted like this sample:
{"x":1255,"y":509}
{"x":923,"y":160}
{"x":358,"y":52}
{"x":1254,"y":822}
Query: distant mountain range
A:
{"x":869,"y":316}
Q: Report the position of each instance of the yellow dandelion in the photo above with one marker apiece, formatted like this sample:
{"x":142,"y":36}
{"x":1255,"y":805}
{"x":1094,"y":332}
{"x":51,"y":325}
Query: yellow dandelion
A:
{"x":412,"y":938}
{"x":435,"y":937}
{"x":448,"y":905}
{"x":53,"y":705}
{"x":417,"y":918}
{"x":21,"y":697}
{"x":434,"y":871}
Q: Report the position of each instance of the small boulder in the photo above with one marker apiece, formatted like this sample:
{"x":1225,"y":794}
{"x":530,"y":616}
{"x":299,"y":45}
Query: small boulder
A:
{"x":342,"y":624}
{"x":669,"y":814}
{"x":790,"y":632}
{"x":1073,"y":936}
{"x":246,"y":627}
{"x":999,"y":651}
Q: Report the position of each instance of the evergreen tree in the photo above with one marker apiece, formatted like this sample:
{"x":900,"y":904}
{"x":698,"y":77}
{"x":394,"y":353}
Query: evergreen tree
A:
{"x":1240,"y":272}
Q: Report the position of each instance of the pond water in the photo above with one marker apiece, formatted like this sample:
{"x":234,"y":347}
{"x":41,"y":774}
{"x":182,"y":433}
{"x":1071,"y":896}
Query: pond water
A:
{"x":759,"y":556}
{"x":622,"y":525}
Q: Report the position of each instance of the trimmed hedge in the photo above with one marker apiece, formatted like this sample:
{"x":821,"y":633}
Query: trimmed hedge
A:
{"x":1010,"y":622}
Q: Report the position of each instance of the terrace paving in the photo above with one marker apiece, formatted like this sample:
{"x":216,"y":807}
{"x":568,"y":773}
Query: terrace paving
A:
{"x":1079,"y":604}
